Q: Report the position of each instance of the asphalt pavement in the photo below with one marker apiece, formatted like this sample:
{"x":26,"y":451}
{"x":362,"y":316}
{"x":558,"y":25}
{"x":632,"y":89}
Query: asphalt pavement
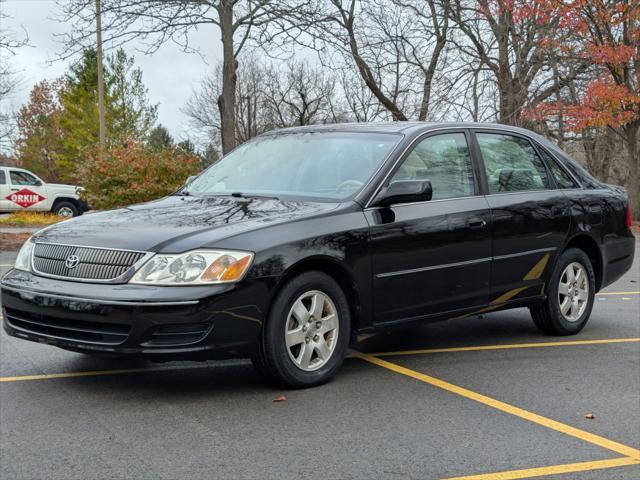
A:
{"x":484,"y":395}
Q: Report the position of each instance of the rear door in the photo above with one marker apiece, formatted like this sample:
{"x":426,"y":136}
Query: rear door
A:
{"x":27,"y":192}
{"x":434,"y":256}
{"x":530,"y":217}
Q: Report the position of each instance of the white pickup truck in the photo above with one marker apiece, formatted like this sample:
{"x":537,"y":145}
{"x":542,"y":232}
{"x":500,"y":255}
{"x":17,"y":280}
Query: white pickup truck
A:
{"x":22,"y":190}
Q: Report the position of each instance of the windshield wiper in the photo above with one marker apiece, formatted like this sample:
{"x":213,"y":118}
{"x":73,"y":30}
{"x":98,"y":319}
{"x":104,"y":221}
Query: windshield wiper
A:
{"x":182,"y":193}
{"x":244,"y":195}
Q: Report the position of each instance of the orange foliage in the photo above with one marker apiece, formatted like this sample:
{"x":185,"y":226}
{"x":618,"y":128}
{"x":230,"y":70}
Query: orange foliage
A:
{"x":613,"y":99}
{"x":131,"y":173}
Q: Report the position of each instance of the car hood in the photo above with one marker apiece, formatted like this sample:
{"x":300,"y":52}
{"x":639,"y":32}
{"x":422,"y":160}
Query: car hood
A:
{"x":166,"y":224}
{"x":62,"y":186}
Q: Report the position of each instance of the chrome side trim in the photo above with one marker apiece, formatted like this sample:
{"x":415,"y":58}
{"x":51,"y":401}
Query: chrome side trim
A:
{"x":100,"y":302}
{"x":462,"y":264}
{"x":368,"y":209}
{"x":528,"y":252}
{"x":433,"y":267}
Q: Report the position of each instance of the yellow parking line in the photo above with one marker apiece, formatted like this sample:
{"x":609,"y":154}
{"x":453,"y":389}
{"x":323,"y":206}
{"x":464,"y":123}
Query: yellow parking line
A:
{"x":552,"y":470}
{"x":351,"y":354}
{"x":6,"y":264}
{"x":96,"y":373}
{"x":505,"y":407}
{"x":507,"y":346}
{"x":617,"y":293}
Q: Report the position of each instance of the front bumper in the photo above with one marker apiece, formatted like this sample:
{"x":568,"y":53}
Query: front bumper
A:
{"x":197,"y":322}
{"x":84,"y":206}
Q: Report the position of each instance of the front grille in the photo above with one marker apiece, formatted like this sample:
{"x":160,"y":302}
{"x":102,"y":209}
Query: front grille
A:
{"x":85,"y":331}
{"x":93,"y":263}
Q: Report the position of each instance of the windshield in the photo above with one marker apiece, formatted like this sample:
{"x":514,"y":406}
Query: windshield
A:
{"x":320,"y":165}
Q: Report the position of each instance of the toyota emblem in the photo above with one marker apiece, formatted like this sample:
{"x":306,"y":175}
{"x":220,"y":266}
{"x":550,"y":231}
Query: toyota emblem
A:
{"x":72,"y":261}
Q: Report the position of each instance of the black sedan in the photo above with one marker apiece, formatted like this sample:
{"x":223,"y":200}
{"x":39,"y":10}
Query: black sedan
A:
{"x":301,"y":239}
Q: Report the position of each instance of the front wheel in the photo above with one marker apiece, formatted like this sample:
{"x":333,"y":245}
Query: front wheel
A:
{"x":570,"y":295}
{"x":306,"y":335}
{"x":65,"y":210}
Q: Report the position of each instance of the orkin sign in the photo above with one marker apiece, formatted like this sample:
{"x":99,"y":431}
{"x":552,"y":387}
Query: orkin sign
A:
{"x":25,"y":198}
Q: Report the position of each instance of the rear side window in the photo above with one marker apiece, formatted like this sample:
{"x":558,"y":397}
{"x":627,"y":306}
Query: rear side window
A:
{"x":561,"y":177}
{"x":3,"y":178}
{"x":511,"y":164}
{"x":445,"y":161}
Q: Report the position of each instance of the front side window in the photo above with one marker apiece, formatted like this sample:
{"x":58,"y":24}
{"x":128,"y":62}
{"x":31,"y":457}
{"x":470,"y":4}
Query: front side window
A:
{"x":561,"y":177}
{"x":23,"y":178}
{"x":317,"y":165}
{"x":511,"y":164}
{"x":445,"y":161}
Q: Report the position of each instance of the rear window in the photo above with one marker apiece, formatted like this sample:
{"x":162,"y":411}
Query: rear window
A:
{"x":3,"y":178}
{"x":562,"y":178}
{"x":511,"y":164}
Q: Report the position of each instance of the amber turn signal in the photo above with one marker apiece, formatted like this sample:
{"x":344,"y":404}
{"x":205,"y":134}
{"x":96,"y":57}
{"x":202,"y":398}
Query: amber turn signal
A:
{"x":227,"y":269}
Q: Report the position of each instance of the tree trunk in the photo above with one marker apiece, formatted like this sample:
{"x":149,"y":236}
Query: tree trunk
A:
{"x":101,"y":122}
{"x":227,"y":100}
{"x":632,"y":132}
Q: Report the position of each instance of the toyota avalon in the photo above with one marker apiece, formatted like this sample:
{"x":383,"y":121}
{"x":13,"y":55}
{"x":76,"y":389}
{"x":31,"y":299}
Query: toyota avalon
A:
{"x":301,"y":239}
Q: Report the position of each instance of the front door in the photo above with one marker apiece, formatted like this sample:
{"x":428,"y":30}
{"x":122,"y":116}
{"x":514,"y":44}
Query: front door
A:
{"x":27,"y":192}
{"x":435,"y":256}
{"x":530,"y":217}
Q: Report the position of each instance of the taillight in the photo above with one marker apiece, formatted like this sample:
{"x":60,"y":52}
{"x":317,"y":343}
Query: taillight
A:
{"x":628,"y":216}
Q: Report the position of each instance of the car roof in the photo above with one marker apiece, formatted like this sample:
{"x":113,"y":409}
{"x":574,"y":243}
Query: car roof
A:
{"x":396,"y":127}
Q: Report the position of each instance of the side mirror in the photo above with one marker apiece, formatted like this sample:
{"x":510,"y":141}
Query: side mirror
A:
{"x":404,"y":191}
{"x":190,"y":179}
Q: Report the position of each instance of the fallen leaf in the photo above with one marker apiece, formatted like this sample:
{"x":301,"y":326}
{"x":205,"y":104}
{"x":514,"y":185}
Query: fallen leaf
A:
{"x":590,"y":416}
{"x":281,"y":398}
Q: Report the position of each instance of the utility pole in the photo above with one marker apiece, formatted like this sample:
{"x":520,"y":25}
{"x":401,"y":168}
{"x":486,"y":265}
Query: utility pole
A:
{"x":100,"y":76}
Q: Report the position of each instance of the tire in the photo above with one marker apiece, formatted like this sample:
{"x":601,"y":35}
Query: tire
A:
{"x":549,"y":316}
{"x":65,"y":210}
{"x":325,"y":333}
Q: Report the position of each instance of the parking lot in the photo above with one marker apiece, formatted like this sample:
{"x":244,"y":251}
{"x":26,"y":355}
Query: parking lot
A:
{"x":480,"y":398}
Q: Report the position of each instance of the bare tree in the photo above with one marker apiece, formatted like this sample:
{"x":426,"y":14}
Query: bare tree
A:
{"x":10,"y":42}
{"x":513,"y":44}
{"x":269,"y":96}
{"x":357,"y":102}
{"x":393,"y":45}
{"x":299,"y":95}
{"x":154,"y":22}
{"x":204,"y":115}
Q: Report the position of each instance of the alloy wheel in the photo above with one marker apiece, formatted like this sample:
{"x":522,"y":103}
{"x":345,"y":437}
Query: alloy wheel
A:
{"x":65,"y":212}
{"x":311,"y":332}
{"x":573,"y":291}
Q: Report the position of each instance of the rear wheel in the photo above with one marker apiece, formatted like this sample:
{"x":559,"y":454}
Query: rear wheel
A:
{"x":306,"y":335}
{"x":65,"y":210}
{"x":570,"y":295}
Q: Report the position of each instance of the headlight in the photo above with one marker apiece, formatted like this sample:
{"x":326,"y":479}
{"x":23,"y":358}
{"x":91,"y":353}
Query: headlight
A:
{"x":199,"y":267}
{"x":23,"y":260}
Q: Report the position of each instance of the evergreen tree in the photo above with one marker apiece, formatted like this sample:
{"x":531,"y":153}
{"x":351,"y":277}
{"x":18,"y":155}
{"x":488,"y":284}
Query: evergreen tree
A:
{"x":159,"y":139}
{"x":128,"y":113}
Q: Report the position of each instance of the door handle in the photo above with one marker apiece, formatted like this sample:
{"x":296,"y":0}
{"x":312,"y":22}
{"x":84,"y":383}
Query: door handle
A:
{"x":15,"y":189}
{"x":477,"y":224}
{"x":558,"y":211}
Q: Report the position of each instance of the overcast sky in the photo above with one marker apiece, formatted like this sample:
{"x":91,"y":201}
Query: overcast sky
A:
{"x":170,"y":74}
